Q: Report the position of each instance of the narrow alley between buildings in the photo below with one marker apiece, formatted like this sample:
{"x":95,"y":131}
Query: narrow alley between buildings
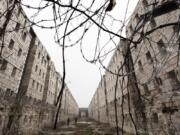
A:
{"x":130,"y":85}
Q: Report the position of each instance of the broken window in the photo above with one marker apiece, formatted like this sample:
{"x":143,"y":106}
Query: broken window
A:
{"x":4,"y":65}
{"x":171,"y":75}
{"x":17,"y":27}
{"x":146,"y":89}
{"x":158,"y":80}
{"x":14,"y":72}
{"x":19,"y":11}
{"x":40,"y":72}
{"x":36,"y":68}
{"x":161,"y":47}
{"x":11,"y":44}
{"x":24,"y":36}
{"x":39,"y":55}
{"x":33,"y":83}
{"x":8,"y":92}
{"x":140,"y":65}
{"x":19,"y":52}
{"x":131,"y":28}
{"x":25,"y":118}
{"x":148,"y":57}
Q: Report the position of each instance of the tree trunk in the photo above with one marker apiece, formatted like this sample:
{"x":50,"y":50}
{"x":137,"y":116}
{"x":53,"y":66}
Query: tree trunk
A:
{"x":134,"y":91}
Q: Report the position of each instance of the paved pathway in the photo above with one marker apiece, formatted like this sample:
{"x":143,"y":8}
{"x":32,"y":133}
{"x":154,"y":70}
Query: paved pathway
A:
{"x":83,"y":127}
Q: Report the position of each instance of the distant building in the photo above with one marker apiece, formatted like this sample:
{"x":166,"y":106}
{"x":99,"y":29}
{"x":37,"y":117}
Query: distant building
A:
{"x":83,"y":112}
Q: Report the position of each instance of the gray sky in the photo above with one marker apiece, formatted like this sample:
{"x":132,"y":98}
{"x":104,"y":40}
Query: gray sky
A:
{"x":82,"y":77}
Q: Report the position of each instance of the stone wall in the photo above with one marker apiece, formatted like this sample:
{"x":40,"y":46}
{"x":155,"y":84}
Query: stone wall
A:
{"x":156,"y":68}
{"x":26,"y":66}
{"x":14,"y":47}
{"x":30,"y":122}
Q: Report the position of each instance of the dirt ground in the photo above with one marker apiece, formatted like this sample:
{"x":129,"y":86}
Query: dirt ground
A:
{"x":84,"y":126}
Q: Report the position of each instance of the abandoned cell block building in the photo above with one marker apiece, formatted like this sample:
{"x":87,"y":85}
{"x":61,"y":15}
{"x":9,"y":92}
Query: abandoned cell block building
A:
{"x":140,"y":91}
{"x":26,"y":65}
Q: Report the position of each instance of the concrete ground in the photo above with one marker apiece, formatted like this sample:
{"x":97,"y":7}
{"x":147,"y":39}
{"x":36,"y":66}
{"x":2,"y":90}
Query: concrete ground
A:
{"x":84,"y":126}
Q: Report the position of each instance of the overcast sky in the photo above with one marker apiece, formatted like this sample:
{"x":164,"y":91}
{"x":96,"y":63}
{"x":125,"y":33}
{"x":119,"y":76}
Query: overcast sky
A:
{"x":82,"y":77}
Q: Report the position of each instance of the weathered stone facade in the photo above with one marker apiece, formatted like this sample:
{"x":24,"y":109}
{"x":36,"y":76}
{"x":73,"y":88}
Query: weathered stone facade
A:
{"x":25,"y":65}
{"x":51,"y":85}
{"x":69,"y":106}
{"x":35,"y":73}
{"x":14,"y":48}
{"x":154,"y":109}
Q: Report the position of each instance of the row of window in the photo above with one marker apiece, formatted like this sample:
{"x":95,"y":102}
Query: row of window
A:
{"x":51,"y":82}
{"x":43,"y":61}
{"x":26,"y":118}
{"x":40,"y":72}
{"x":11,"y":46}
{"x":24,"y":34}
{"x":37,"y":86}
{"x":171,"y":75}
{"x":152,"y":23}
{"x":50,"y":93}
{"x":157,"y":80}
{"x":162,"y":50}
{"x":10,"y":2}
{"x":4,"y":65}
{"x":17,"y":27}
